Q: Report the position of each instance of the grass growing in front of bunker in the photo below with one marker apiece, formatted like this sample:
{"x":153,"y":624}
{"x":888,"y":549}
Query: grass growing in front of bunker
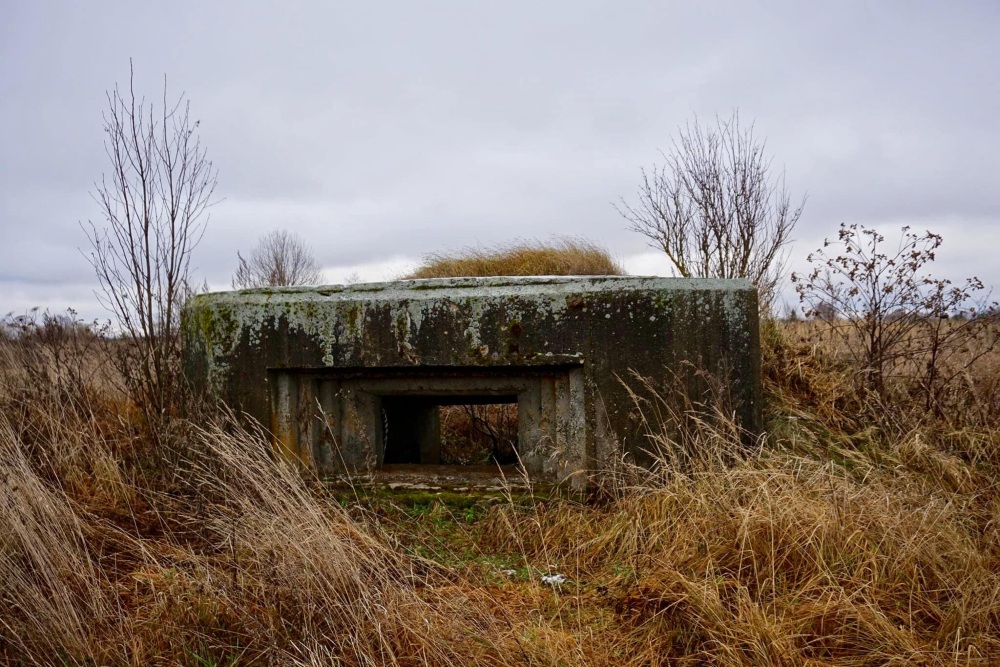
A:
{"x":862,"y":534}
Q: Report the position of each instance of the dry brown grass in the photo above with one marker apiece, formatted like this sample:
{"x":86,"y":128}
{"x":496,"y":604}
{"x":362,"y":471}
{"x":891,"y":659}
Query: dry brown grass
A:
{"x":777,"y":561}
{"x":107,"y":558}
{"x":559,"y":257}
{"x":857,"y":534}
{"x":967,"y":393}
{"x":849,"y":538}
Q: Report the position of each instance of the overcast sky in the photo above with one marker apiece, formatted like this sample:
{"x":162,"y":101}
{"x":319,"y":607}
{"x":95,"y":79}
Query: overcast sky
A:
{"x":384,"y":131}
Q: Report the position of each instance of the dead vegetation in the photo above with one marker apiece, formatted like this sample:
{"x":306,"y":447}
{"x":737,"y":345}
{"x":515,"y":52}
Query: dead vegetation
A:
{"x":859,"y":532}
{"x":114,"y":552}
{"x":559,"y":257}
{"x":478,"y":434}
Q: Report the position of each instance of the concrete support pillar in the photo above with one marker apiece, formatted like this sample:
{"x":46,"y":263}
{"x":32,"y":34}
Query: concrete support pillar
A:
{"x":284,"y":425}
{"x":361,"y":445}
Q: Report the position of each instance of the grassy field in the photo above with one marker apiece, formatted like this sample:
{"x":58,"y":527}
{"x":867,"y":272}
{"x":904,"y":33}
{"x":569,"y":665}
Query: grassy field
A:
{"x":862,"y":531}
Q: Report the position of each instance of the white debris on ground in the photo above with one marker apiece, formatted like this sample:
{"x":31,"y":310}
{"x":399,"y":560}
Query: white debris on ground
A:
{"x":553,"y":579}
{"x":509,"y":573}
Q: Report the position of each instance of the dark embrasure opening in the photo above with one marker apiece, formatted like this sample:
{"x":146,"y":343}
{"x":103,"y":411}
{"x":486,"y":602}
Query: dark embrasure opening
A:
{"x":450,"y":430}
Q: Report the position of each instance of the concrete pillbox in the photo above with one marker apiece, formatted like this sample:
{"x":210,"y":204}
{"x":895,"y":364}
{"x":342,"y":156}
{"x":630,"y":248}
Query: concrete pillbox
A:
{"x":332,"y":371}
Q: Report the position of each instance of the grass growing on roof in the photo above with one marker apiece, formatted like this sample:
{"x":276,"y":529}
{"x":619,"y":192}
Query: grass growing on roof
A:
{"x":560,"y":257}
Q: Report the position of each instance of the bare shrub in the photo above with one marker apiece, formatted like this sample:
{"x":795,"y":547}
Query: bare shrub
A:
{"x":715,"y":208}
{"x":893,"y":318}
{"x":560,"y":257}
{"x":153,"y":203}
{"x":56,"y":352}
{"x":479,"y":434}
{"x":280,"y":258}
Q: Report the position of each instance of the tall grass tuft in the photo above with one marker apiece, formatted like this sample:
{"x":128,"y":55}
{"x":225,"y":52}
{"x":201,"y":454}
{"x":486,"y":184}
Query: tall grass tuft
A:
{"x":873,"y":549}
{"x":51,"y":591}
{"x":340,"y":590}
{"x":566,"y":256}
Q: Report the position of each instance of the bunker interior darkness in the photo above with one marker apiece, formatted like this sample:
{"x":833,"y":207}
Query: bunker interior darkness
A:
{"x":355,"y":378}
{"x":412,"y":430}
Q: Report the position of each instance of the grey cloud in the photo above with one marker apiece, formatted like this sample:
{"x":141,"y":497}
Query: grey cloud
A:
{"x":395,"y":129}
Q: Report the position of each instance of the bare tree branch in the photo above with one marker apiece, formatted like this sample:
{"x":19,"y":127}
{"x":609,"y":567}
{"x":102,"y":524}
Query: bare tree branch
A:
{"x":154,"y":202}
{"x":715,"y":209}
{"x":280,"y":258}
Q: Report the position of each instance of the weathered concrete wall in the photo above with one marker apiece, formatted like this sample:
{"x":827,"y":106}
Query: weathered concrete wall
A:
{"x":562,"y":345}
